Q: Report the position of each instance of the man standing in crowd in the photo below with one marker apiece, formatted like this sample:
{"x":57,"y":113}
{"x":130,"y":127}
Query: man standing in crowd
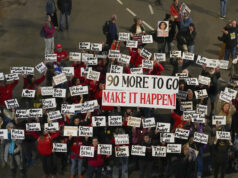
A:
{"x":223,"y":4}
{"x":174,"y":11}
{"x":112,"y":31}
{"x":65,"y":7}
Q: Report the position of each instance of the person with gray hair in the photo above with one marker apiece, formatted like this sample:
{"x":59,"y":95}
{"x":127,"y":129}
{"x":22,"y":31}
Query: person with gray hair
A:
{"x":48,"y":34}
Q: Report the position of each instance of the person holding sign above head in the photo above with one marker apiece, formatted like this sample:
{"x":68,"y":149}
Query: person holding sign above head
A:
{"x":30,"y":82}
{"x":62,"y":55}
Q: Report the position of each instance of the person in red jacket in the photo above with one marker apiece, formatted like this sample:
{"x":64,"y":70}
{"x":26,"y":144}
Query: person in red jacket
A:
{"x":179,"y":122}
{"x":136,"y":59}
{"x":30,"y":82}
{"x":95,"y":164}
{"x":49,"y":31}
{"x":44,"y":147}
{"x":174,"y":11}
{"x":6,"y":91}
{"x":157,"y":68}
{"x":62,"y":55}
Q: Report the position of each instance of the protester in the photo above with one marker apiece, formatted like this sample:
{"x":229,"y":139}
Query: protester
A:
{"x":175,"y":12}
{"x":49,"y":31}
{"x":223,"y":4}
{"x":51,"y":11}
{"x":62,"y":55}
{"x":65,"y":7}
{"x":112,"y":31}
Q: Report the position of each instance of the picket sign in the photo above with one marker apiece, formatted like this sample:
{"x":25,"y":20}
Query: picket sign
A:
{"x":138,"y":150}
{"x":41,"y":67}
{"x":122,"y":151}
{"x":160,"y":57}
{"x":167,"y":137}
{"x":182,"y":133}
{"x":74,"y":56}
{"x":163,"y":127}
{"x":99,"y":121}
{"x":104,"y":149}
{"x":222,"y":135}
{"x":3,"y":134}
{"x":18,"y":134}
{"x":148,"y":122}
{"x":85,"y":131}
{"x":71,"y":131}
{"x":114,"y":121}
{"x":200,"y":138}
{"x":159,"y":151}
{"x":60,"y":147}
{"x":33,"y":127}
{"x":28,"y":93}
{"x":220,"y":120}
{"x":174,"y":148}
{"x":121,"y":139}
{"x":86,"y":151}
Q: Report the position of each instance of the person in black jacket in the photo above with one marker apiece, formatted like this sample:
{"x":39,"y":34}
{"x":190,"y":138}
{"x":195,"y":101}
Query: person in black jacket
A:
{"x":190,"y":37}
{"x":65,"y":7}
{"x":179,"y":65}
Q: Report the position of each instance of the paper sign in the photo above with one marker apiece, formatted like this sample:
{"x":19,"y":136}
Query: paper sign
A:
{"x":60,"y":147}
{"x":104,"y":149}
{"x":160,"y":57}
{"x":188,"y":114}
{"x":162,"y":29}
{"x":74,"y":56}
{"x":201,"y":94}
{"x":11,"y":77}
{"x":85,"y":70}
{"x":96,"y":47}
{"x":22,"y":113}
{"x":198,"y":119}
{"x":148,"y":122}
{"x":41,"y":67}
{"x":84,"y":45}
{"x":16,"y":70}
{"x":175,"y":54}
{"x":222,"y":135}
{"x":134,"y":121}
{"x":201,"y":109}
{"x":122,"y":151}
{"x":192,"y":81}
{"x":49,"y":103}
{"x":78,"y":90}
{"x":114,"y":54}
{"x":33,"y":127}
{"x":185,"y":9}
{"x":137,"y":70}
{"x":201,"y":60}
{"x":67,"y":109}
{"x":124,"y":59}
{"x":59,"y":93}
{"x":225,"y":96}
{"x":92,"y":61}
{"x":124,"y":36}
{"x":71,"y":131}
{"x":85,"y":56}
{"x":138,"y":150}
{"x":61,"y":78}
{"x":51,"y":57}
{"x":211,"y":63}
{"x":93,"y":75}
{"x":232,"y":92}
{"x":147,"y":39}
{"x":186,"y":105}
{"x":69,"y":71}
{"x":114,"y":121}
{"x":159,"y":151}
{"x":28,"y":93}
{"x":121,"y":139}
{"x":131,"y":44}
{"x":47,"y":91}
{"x":204,"y":80}
{"x":28,"y":70}
{"x":12,"y":103}
{"x":85,"y":131}
{"x":181,"y":75}
{"x":88,"y":106}
{"x":87,"y":151}
{"x":54,"y":126}
{"x":145,"y":54}
{"x":163,"y":127}
{"x":223,"y":64}
{"x":182,"y":133}
{"x":220,"y":120}
{"x":167,"y":137}
{"x":54,"y":115}
{"x":174,"y":148}
{"x":35,"y":113}
{"x":188,"y":56}
{"x":17,"y":134}
{"x":182,"y":95}
{"x":1,"y":76}
{"x":147,"y":64}
{"x":99,"y":121}
{"x":116,"y":69}
{"x":3,"y":134}
{"x":200,"y":138}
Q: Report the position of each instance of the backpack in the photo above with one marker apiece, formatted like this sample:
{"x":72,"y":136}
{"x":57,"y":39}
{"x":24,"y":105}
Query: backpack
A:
{"x":105,"y":28}
{"x":42,"y":32}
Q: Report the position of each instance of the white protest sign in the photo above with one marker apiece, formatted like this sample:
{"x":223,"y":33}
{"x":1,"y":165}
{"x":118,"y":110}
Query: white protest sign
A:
{"x":114,"y":54}
{"x":92,"y":61}
{"x":17,"y":134}
{"x":35,"y":112}
{"x":51,"y":57}
{"x":3,"y":134}
{"x":232,"y":92}
{"x":59,"y":93}
{"x":186,"y":105}
{"x":122,"y":151}
{"x":54,"y":115}
{"x":85,"y":56}
{"x":61,"y":78}
{"x":200,"y":138}
{"x":201,"y":94}
{"x":11,"y":103}
{"x":84,"y":45}
{"x":159,"y":151}
{"x":60,"y":147}
{"x":211,"y":63}
{"x":22,"y":113}
{"x":69,"y":71}
{"x":185,"y":9}
{"x":174,"y":148}
{"x":167,"y":137}
{"x":131,"y":44}
{"x":147,"y":39}
{"x":181,"y":75}
{"x":47,"y":91}
{"x":160,"y":57}
{"x":93,"y":75}
{"x":188,"y":56}
{"x":11,"y":77}
{"x":124,"y":59}
{"x":182,"y":95}
{"x":71,"y":131}
{"x":222,"y":135}
{"x":116,"y":69}
{"x":41,"y":67}
{"x":99,"y":121}
{"x":121,"y":139}
{"x":54,"y":126}
{"x":182,"y":133}
{"x":28,"y":70}
{"x":148,"y":122}
{"x":198,"y":119}
{"x":188,"y":114}
{"x":114,"y":121}
{"x":204,"y":80}
{"x":175,"y":54}
{"x":49,"y":103}
{"x":223,"y":64}
{"x":201,"y":109}
{"x":134,"y":121}
{"x":227,"y":97}
{"x":104,"y":149}
{"x":1,"y":76}
{"x":137,"y":70}
{"x":192,"y":81}
{"x":78,"y":90}
{"x":163,"y":127}
{"x":16,"y":70}
{"x":147,"y":64}
{"x":162,"y":29}
{"x":85,"y":131}
{"x":74,"y":56}
{"x":96,"y":47}
{"x":138,"y":150}
{"x":87,"y":151}
{"x":85,"y":70}
{"x":88,"y":106}
{"x":220,"y":120}
{"x":28,"y":93}
{"x":33,"y":127}
{"x":145,"y":54}
{"x":123,"y":36}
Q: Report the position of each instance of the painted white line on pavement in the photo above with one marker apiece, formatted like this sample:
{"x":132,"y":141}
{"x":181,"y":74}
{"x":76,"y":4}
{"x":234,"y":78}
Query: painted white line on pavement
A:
{"x":146,"y":24}
{"x":131,"y":12}
{"x":151,"y":9}
{"x":119,"y":1}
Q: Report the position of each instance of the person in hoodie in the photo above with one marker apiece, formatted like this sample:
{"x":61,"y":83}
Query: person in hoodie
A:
{"x":51,"y":11}
{"x":185,"y":22}
{"x":49,"y":31}
{"x":65,"y":7}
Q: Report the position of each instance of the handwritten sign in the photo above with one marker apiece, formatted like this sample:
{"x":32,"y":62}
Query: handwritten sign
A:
{"x":122,"y":151}
{"x":134,"y":121}
{"x":121,"y":139}
{"x":93,"y":75}
{"x":227,"y":97}
{"x":201,"y":94}
{"x":51,"y":57}
{"x":115,"y":121}
{"x":167,"y":137}
{"x":78,"y":90}
{"x":28,"y":93}
{"x":47,"y":91}
{"x":145,"y":54}
{"x":17,"y":134}
{"x":138,"y":150}
{"x":159,"y":151}
{"x":163,"y":127}
{"x":200,"y":138}
{"x":84,"y":45}
{"x":35,"y":112}
{"x":3,"y":134}
{"x":99,"y":121}
{"x":85,"y":131}
{"x":49,"y":103}
{"x":54,"y":126}
{"x":54,"y":115}
{"x":11,"y":77}
{"x":188,"y":114}
{"x":160,"y":57}
{"x":71,"y":131}
{"x":69,"y":71}
{"x":124,"y":36}
{"x":188,"y":56}
{"x":186,"y":105}
{"x":41,"y":67}
{"x":22,"y":113}
{"x":182,"y":133}
{"x":131,"y":44}
{"x":232,"y":92}
{"x":60,"y":147}
{"x":147,"y":64}
{"x":12,"y":103}
{"x":33,"y":127}
{"x":124,"y":59}
{"x":104,"y":149}
{"x":175,"y":54}
{"x":96,"y":47}
{"x":87,"y":151}
{"x":61,"y":78}
{"x":192,"y":81}
{"x":114,"y":54}
{"x":201,"y":109}
{"x":137,"y":70}
{"x":220,"y":120}
{"x":116,"y":69}
{"x":204,"y":80}
{"x":222,"y":135}
{"x":16,"y":70}
{"x":59,"y":93}
{"x":74,"y":56}
{"x":148,"y":122}
{"x":147,"y":39}
{"x":92,"y":61}
{"x":174,"y":148}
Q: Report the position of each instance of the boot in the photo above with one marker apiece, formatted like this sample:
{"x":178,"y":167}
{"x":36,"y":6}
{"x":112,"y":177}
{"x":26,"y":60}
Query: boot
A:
{"x":72,"y":176}
{"x":81,"y":176}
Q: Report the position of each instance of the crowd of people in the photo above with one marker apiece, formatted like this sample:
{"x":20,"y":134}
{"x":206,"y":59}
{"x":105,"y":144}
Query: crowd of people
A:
{"x":220,"y":146}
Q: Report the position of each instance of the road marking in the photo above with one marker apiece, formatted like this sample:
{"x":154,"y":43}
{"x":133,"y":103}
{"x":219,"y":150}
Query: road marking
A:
{"x":119,"y":1}
{"x":131,"y":12}
{"x":151,"y":9}
{"x":146,"y":24}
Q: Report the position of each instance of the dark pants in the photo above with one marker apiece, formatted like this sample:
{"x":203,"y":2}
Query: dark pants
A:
{"x":145,"y":168}
{"x":48,"y":164}
{"x":96,"y":170}
{"x":219,"y":167}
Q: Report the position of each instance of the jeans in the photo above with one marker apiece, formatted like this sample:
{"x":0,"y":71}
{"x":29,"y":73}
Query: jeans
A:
{"x":76,"y":161}
{"x":191,"y":48}
{"x":62,"y":16}
{"x":123,"y":162}
{"x":49,"y":45}
{"x":228,"y":52}
{"x":15,"y":158}
{"x":96,"y":170}
{"x":223,"y":8}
